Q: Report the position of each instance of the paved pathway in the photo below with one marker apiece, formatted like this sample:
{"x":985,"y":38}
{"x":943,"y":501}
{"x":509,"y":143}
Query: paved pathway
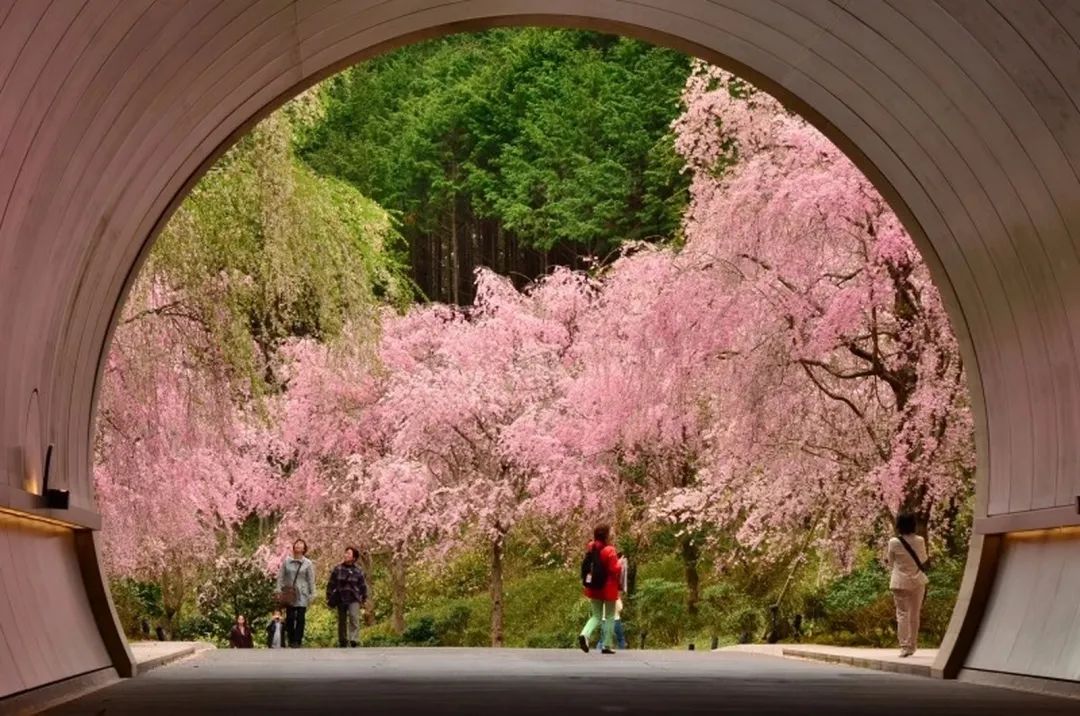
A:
{"x":434,"y":682}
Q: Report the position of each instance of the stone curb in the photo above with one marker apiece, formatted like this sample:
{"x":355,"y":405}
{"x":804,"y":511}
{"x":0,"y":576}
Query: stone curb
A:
{"x":910,"y":668}
{"x":184,"y":652}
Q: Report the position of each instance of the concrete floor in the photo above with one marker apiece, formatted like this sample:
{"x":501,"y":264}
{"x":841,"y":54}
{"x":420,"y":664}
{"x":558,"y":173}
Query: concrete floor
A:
{"x":513,"y":682}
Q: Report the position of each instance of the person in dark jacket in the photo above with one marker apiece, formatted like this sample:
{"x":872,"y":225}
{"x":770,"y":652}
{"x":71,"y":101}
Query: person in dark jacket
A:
{"x":240,"y":636}
{"x":275,"y":632}
{"x":346,"y":591}
{"x":602,"y":597}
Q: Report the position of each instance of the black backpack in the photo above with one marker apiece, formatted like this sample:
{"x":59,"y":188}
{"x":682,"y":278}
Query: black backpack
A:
{"x":593,"y":570}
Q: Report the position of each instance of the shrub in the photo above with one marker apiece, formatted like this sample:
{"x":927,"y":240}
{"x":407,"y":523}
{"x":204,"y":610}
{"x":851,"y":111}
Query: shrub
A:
{"x":451,"y":624}
{"x":420,"y":632}
{"x":660,"y":611}
{"x":198,"y":627}
{"x":858,"y":609}
{"x":380,"y":636}
{"x":238,"y":585}
{"x":320,"y":628}
{"x":730,"y":614}
{"x":136,"y":602}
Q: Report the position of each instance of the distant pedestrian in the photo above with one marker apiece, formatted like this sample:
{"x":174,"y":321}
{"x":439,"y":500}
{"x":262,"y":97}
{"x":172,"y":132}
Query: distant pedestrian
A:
{"x":601,"y":575}
{"x":619,"y":628}
{"x":275,"y":632}
{"x":240,"y":636}
{"x":296,"y":586}
{"x":346,"y":591}
{"x":906,"y":558}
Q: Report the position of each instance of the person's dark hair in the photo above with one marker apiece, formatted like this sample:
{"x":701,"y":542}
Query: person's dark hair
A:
{"x":905,"y":523}
{"x":354,"y":552}
{"x":601,"y":533}
{"x":300,"y":541}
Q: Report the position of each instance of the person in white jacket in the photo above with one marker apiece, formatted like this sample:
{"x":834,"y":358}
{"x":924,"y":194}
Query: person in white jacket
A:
{"x":905,"y":558}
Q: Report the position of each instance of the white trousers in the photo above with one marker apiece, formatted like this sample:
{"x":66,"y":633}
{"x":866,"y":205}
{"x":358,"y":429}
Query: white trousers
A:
{"x":908,"y":611}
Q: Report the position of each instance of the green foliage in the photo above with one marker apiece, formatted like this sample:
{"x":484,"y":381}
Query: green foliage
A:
{"x":320,"y":625}
{"x":466,"y":574}
{"x":237,"y":586}
{"x":945,"y":578}
{"x":544,"y":607}
{"x":857,"y":608}
{"x":559,"y":136}
{"x":728,"y":612}
{"x":446,"y":626}
{"x":660,"y":611}
{"x":265,"y":249}
{"x":136,"y":602}
{"x":198,"y":627}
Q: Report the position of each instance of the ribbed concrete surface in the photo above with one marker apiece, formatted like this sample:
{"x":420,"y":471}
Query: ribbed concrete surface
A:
{"x":965,"y":113}
{"x":478,"y":682}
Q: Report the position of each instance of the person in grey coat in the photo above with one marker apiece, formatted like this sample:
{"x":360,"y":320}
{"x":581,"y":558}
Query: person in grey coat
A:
{"x":298,"y":574}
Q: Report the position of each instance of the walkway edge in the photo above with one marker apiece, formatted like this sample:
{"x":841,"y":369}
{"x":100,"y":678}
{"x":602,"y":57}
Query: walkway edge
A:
{"x":910,"y":668}
{"x":184,"y":652}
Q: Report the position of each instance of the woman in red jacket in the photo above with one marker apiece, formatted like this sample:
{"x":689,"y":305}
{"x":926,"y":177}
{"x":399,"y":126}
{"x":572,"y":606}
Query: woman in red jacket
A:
{"x":606,"y":570}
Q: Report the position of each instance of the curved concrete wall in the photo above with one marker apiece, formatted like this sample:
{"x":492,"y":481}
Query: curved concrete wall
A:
{"x":964,"y":112}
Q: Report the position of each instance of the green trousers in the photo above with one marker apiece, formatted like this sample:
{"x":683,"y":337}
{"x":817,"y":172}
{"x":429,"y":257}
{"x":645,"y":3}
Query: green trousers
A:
{"x":599,"y":606}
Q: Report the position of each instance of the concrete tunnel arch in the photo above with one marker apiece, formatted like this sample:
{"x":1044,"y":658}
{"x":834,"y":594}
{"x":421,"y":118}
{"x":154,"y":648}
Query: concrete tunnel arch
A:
{"x":965,"y":114}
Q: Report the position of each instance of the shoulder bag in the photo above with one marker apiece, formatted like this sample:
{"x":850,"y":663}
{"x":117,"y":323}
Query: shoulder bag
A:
{"x":924,"y":567}
{"x":287,"y":596}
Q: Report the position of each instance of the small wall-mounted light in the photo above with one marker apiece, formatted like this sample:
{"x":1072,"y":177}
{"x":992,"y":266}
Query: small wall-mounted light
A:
{"x":57,"y":499}
{"x":54,"y":499}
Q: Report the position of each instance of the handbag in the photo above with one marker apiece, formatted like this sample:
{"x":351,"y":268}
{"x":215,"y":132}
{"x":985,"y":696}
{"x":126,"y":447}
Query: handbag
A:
{"x":287,"y":596}
{"x":924,"y":567}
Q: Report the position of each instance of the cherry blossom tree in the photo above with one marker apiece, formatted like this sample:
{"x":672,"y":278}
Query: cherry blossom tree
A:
{"x":345,"y":485}
{"x":178,"y":464}
{"x":460,"y":389}
{"x":636,"y":407}
{"x":787,"y":370}
{"x":845,"y":395}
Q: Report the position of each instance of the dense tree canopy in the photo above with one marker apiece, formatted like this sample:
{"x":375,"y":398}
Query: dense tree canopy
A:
{"x":512,"y":149}
{"x":264,"y":248}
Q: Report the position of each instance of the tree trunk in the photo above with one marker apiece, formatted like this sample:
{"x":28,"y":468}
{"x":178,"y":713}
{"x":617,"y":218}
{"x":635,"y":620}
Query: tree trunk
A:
{"x":397,"y":589}
{"x":690,"y":555}
{"x":173,"y":591}
{"x":455,"y":254}
{"x":367,"y":565}
{"x":497,"y":591}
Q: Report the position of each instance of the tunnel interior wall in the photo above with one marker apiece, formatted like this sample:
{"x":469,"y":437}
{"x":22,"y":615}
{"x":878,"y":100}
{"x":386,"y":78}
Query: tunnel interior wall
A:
{"x":1031,"y":625}
{"x":47,"y":628}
